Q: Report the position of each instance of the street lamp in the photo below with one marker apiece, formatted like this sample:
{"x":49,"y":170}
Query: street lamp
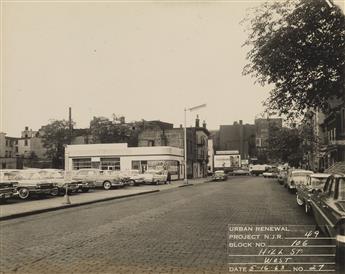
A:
{"x":185,"y":138}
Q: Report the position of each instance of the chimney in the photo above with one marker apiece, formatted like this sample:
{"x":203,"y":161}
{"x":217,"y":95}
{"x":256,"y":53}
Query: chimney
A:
{"x":122,"y":120}
{"x":204,"y":124}
{"x":241,"y":122}
{"x":197,"y":121}
{"x":181,"y":126}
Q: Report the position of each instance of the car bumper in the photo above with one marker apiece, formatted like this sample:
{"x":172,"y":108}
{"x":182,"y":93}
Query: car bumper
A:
{"x":7,"y":195}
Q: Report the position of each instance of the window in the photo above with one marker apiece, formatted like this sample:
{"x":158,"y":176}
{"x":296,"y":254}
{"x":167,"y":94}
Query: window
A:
{"x":26,"y":143}
{"x":150,"y":143}
{"x":110,"y":163}
{"x":81,"y":163}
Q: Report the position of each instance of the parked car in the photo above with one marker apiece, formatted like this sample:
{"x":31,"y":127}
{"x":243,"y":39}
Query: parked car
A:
{"x":296,"y":177}
{"x":155,"y":177}
{"x":328,"y":207}
{"x":29,"y":182}
{"x":135,"y":177}
{"x":314,"y":183}
{"x":8,"y":187}
{"x":219,"y":175}
{"x":57,"y":176}
{"x":271,"y":173}
{"x":97,"y":178}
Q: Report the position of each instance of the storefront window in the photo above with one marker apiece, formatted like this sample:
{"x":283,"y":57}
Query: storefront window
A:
{"x":172,"y":166}
{"x":81,"y":163}
{"x":110,"y":163}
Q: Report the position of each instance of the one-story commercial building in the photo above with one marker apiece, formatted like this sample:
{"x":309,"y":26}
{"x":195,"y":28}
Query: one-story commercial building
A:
{"x":121,"y":157}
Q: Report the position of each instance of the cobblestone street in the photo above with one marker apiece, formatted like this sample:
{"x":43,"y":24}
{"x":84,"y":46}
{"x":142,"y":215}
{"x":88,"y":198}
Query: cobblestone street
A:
{"x":181,"y":230}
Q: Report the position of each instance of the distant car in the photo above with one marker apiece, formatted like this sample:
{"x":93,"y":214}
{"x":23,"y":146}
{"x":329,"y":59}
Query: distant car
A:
{"x":155,"y":177}
{"x":8,"y":187}
{"x":29,"y":183}
{"x":240,"y":171}
{"x":282,"y":174}
{"x":314,"y":183}
{"x":328,"y":207}
{"x":258,"y":169}
{"x":296,"y":177}
{"x":219,"y":175}
{"x":56,"y":176}
{"x":271,"y":173}
{"x":97,"y":178}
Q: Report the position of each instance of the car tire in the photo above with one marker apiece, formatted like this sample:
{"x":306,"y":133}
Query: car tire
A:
{"x":54,"y":193}
{"x":106,"y":185}
{"x":84,"y":190}
{"x":157,"y":183}
{"x":23,"y":193}
{"x":299,"y":201}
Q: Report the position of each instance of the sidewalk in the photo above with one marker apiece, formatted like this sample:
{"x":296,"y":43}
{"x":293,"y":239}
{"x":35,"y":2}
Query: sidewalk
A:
{"x":15,"y":208}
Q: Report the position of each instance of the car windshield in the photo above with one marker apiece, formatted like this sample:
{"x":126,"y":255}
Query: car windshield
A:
{"x":29,"y":175}
{"x":219,"y":172}
{"x":51,"y":175}
{"x":7,"y":176}
{"x":317,"y":181}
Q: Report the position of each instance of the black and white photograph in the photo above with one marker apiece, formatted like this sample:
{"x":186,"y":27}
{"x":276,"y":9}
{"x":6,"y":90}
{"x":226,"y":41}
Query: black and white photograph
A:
{"x":172,"y":136}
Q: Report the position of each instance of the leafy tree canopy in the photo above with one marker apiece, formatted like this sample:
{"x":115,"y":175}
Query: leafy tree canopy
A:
{"x":55,"y":136}
{"x":298,"y":46}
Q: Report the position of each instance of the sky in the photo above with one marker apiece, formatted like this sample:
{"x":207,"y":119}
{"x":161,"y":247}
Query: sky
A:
{"x":144,"y":60}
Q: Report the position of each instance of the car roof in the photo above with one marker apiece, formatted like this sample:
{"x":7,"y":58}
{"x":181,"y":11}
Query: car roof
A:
{"x":320,"y":175}
{"x":301,"y":171}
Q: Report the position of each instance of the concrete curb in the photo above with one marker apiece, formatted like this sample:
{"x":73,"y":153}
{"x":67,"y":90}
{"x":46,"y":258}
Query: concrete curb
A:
{"x":186,"y":185}
{"x":38,"y":211}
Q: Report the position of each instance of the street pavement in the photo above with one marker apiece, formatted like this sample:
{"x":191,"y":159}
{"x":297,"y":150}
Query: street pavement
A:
{"x":183,"y":230}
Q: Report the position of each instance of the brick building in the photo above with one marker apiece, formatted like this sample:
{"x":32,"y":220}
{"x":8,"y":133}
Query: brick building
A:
{"x":239,"y":136}
{"x":167,"y":135}
{"x":8,"y":151}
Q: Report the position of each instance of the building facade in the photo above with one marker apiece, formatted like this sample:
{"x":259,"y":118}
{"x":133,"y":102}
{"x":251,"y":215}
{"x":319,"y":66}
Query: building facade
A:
{"x":197,"y":144}
{"x":8,"y":152}
{"x":121,"y":157}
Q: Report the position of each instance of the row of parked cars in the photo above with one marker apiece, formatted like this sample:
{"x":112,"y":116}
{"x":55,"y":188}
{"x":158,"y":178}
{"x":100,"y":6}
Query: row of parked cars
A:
{"x":323,"y":196}
{"x":27,"y":182}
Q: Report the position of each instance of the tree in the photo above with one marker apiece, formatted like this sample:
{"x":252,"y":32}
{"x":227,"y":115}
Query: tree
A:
{"x":55,"y":136}
{"x":104,"y":130}
{"x":297,"y":46}
{"x":284,"y":145}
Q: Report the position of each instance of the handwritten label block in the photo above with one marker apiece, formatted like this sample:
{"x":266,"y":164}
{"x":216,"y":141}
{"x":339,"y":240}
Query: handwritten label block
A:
{"x":278,"y":249}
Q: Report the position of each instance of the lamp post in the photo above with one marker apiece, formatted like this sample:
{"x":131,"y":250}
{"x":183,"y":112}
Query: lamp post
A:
{"x":185,"y":139}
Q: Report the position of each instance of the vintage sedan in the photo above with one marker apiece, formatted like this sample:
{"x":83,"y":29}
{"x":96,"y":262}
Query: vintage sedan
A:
{"x":328,"y":207}
{"x":30,"y":182}
{"x":296,"y":177}
{"x":271,"y":173}
{"x":135,"y":177}
{"x":98,"y":178}
{"x":8,"y":187}
{"x":155,"y":177}
{"x":219,"y":175}
{"x":57,"y":176}
{"x":314,"y":183}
